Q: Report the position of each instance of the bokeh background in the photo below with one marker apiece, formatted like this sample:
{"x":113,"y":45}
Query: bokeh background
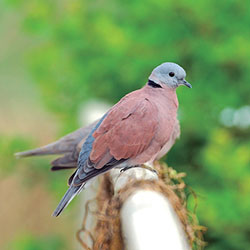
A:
{"x":56,"y":55}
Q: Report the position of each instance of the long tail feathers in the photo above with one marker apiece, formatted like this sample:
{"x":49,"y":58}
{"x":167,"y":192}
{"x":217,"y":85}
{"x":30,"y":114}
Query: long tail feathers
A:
{"x":66,"y":144}
{"x":56,"y":168}
{"x":46,"y":150}
{"x":67,"y":198}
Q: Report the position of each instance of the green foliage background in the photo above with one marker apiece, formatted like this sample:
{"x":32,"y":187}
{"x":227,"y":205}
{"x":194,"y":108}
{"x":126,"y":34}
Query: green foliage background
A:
{"x":105,"y":49}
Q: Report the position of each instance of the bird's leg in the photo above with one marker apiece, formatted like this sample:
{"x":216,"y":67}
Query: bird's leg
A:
{"x":147,"y":166}
{"x":129,"y":167}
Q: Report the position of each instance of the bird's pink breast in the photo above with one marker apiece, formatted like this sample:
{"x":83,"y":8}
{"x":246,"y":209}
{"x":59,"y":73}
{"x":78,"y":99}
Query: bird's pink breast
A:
{"x":167,"y":105}
{"x":137,"y":127}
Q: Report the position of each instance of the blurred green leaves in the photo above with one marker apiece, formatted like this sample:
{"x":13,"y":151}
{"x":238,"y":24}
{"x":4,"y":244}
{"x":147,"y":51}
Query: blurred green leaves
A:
{"x":9,"y":146}
{"x":29,"y":242}
{"x":38,"y":168}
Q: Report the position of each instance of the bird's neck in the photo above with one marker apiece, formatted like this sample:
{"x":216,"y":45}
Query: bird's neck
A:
{"x":153,"y":84}
{"x":155,"y":89}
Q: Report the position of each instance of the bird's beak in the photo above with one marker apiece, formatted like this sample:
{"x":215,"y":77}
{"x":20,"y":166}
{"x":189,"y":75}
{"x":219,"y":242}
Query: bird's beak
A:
{"x":184,"y":82}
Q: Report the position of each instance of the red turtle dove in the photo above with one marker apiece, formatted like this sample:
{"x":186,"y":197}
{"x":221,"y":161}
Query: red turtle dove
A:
{"x":139,"y":129}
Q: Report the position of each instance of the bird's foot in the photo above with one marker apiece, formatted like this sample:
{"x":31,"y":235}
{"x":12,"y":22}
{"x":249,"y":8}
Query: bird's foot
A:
{"x":145,"y":166}
{"x":128,"y":167}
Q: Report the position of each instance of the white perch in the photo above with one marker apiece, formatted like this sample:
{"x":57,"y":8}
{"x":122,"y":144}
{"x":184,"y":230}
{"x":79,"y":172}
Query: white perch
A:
{"x":147,"y":217}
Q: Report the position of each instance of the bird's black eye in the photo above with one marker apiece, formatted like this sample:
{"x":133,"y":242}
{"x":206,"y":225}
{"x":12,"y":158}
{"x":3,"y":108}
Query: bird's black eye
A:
{"x":171,"y":74}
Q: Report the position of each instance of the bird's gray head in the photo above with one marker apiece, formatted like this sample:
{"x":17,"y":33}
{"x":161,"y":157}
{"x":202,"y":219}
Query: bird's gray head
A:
{"x":170,"y":74}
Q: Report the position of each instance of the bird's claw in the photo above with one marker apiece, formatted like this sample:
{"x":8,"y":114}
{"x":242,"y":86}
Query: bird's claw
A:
{"x":140,"y":166}
{"x":127,"y":168}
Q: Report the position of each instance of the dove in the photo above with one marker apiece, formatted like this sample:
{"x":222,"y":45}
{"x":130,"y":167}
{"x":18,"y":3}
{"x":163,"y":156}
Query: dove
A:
{"x":140,"y":128}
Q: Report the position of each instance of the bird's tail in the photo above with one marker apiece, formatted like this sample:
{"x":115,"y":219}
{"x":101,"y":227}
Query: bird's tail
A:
{"x":67,"y":198}
{"x":45,"y":150}
{"x":66,"y":144}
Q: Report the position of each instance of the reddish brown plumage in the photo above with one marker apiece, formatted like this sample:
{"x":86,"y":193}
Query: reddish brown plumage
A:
{"x":137,"y":127}
{"x":142,"y":127}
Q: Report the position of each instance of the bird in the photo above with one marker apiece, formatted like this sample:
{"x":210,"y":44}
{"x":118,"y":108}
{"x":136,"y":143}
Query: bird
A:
{"x":140,"y":128}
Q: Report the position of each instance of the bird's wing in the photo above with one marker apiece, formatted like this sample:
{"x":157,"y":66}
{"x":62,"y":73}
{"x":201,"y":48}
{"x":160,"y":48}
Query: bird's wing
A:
{"x":69,"y":145}
{"x":127,"y":130}
{"x":73,"y":190}
{"x":124,"y":133}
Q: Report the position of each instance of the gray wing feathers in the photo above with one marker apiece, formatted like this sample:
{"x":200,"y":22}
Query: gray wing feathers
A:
{"x":68,"y":160}
{"x":84,"y":174}
{"x":67,"y":198}
{"x":83,"y":156}
{"x":87,"y":145}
